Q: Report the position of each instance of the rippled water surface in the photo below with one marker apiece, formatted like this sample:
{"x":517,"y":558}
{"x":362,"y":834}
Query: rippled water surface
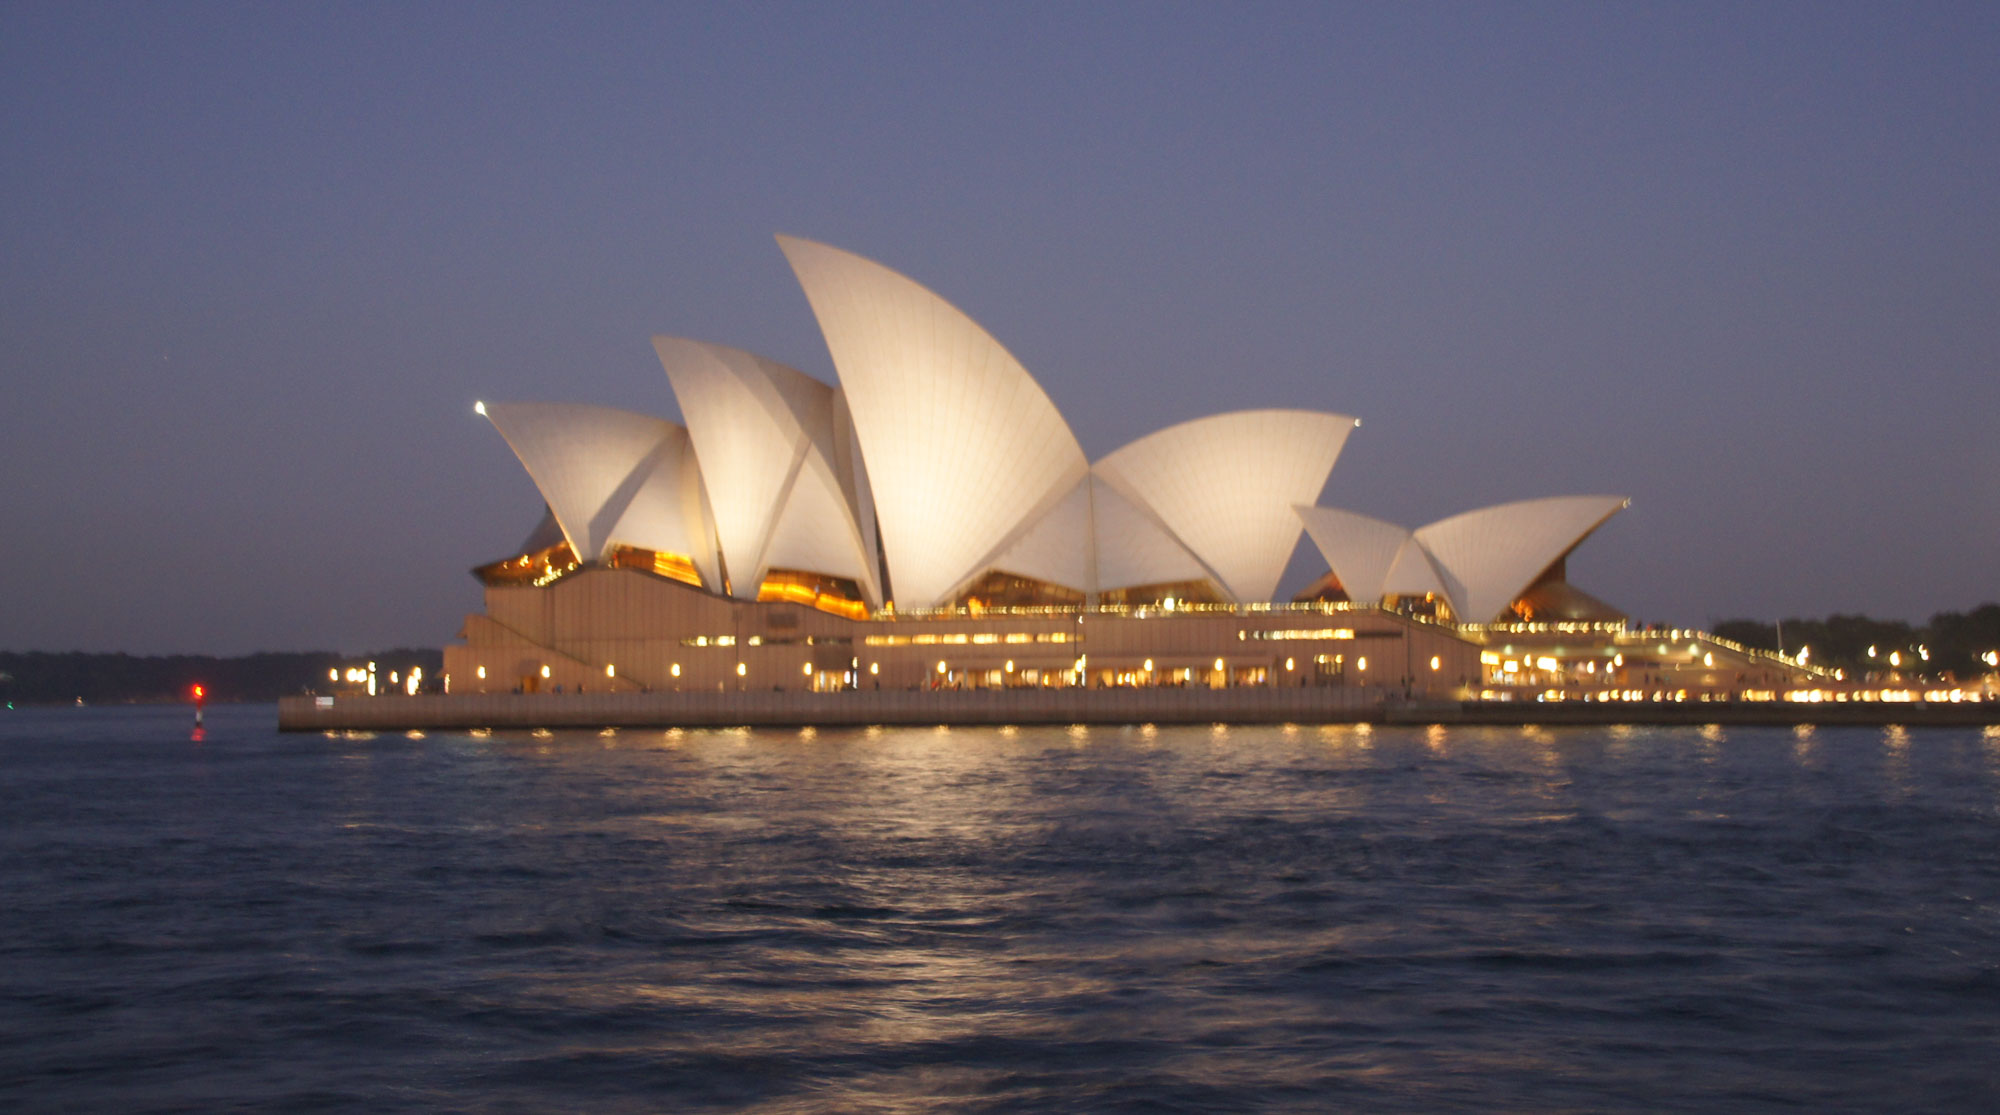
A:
{"x":1180,"y":919}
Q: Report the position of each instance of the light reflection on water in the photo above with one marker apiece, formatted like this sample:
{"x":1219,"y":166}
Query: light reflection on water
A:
{"x":1147,"y":917}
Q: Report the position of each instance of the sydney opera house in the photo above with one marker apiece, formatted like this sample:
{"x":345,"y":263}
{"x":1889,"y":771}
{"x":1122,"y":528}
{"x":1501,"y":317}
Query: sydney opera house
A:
{"x":932,"y":523}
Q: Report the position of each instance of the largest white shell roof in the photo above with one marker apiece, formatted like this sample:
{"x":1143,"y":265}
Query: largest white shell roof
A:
{"x":962,"y":444}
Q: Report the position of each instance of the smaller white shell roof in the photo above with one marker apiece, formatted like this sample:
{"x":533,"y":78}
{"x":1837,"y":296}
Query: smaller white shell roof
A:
{"x":1225,"y":486}
{"x":1490,"y":556}
{"x":771,"y":456}
{"x":611,"y":477}
{"x":1360,"y":550}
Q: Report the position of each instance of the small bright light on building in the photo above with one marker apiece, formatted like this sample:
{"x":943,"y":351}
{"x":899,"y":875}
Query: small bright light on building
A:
{"x":874,"y":667}
{"x":545,"y":671}
{"x":1291,"y":664}
{"x":1361,"y":663}
{"x":1436,"y":662}
{"x":610,"y":670}
{"x":480,"y":673}
{"x":941,"y":668}
{"x":1149,"y":665}
{"x":333,"y":675}
{"x":1871,"y":652}
{"x":741,"y":669}
{"x":1708,"y":659}
{"x":808,"y":669}
{"x":674,"y":670}
{"x":1895,"y":658}
{"x":1218,"y":665}
{"x":1617,"y":660}
{"x":1010,"y":665}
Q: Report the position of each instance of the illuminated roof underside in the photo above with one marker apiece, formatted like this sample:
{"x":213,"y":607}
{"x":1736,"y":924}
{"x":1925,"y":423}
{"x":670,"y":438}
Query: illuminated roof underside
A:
{"x":612,"y":477}
{"x":771,"y":465}
{"x":1225,"y":487}
{"x":963,"y":448}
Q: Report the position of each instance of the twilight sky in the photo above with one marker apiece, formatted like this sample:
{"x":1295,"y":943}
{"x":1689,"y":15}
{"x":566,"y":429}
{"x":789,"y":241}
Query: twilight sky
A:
{"x":1740,"y":263}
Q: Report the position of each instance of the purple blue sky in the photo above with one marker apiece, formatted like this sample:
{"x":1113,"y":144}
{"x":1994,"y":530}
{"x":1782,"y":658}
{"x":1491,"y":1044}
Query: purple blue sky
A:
{"x":1738,"y":262}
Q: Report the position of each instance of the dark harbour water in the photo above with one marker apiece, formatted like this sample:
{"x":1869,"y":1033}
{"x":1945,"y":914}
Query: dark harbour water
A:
{"x":1187,"y":919}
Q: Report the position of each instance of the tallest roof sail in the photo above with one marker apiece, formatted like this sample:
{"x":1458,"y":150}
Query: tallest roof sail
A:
{"x":962,"y":445}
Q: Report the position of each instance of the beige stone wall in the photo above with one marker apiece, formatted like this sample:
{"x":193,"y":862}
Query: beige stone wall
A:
{"x":663,"y":636}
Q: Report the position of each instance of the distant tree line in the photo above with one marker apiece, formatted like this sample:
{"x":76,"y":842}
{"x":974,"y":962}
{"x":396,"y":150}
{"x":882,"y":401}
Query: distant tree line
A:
{"x":1954,"y":641}
{"x":37,"y":678}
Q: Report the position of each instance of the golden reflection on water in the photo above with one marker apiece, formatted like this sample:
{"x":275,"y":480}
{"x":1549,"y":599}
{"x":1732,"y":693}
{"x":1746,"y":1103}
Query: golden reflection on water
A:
{"x":1804,"y":743}
{"x":1896,"y":758}
{"x":1435,"y":738}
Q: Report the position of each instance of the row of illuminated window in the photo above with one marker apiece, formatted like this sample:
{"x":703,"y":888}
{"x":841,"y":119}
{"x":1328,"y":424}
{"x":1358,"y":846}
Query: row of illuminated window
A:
{"x":960,"y":639}
{"x":759,"y":641}
{"x":1294,"y":634}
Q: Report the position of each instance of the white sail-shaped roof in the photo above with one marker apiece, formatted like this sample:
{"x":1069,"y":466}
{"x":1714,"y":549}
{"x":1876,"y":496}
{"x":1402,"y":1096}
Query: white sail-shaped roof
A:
{"x":1361,"y":551}
{"x":772,"y":464}
{"x":1134,"y":549}
{"x":1490,"y":556}
{"x":1056,"y":547}
{"x":1225,"y":487}
{"x":1413,"y":573}
{"x":611,"y":477}
{"x":1095,"y":541}
{"x":962,"y":446}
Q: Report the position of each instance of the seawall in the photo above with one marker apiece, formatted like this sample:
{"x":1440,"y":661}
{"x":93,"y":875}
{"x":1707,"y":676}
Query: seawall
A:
{"x":1246,"y":705}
